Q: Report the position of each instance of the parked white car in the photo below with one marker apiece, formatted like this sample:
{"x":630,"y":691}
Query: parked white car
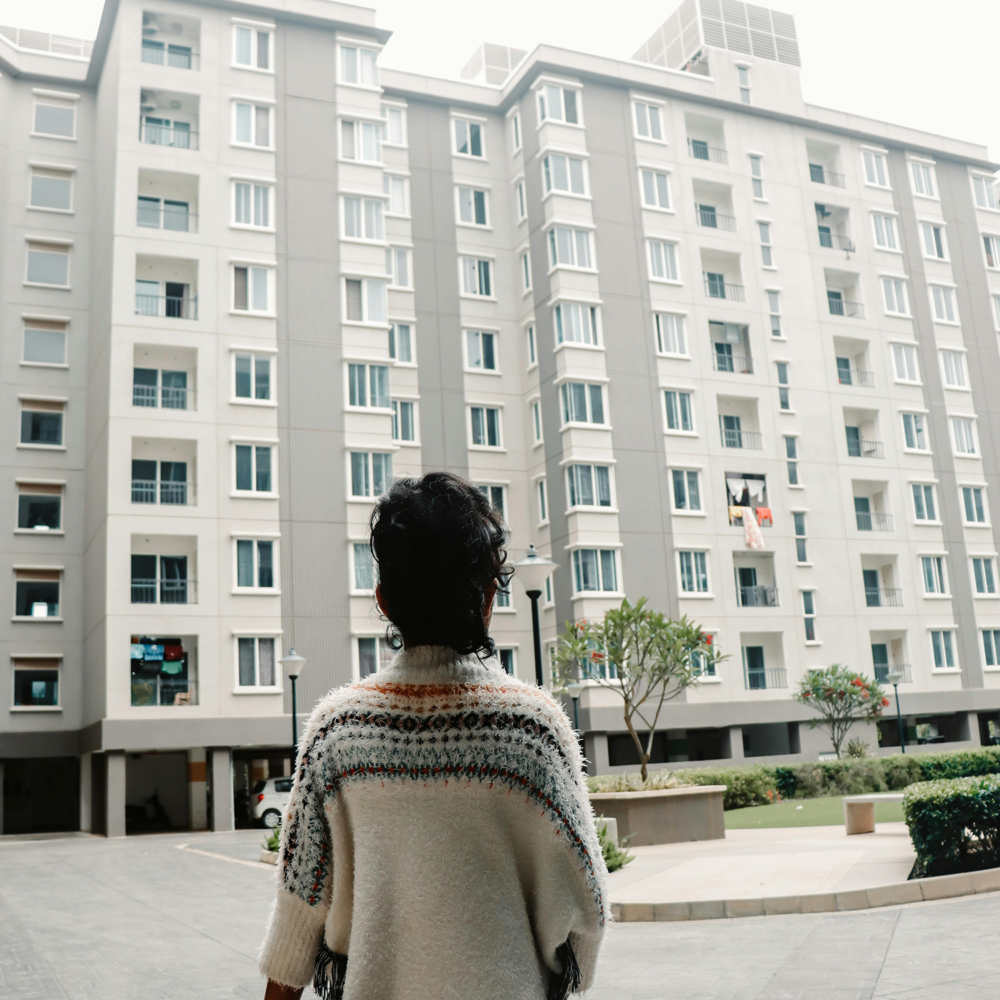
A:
{"x":268,"y":801}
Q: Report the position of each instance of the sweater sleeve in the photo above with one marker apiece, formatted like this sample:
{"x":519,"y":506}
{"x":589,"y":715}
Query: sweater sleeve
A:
{"x":305,"y":877}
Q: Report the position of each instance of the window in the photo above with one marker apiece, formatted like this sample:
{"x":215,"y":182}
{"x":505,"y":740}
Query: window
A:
{"x":563,"y":173}
{"x":983,"y":574}
{"x":403,"y":422}
{"x":679,"y":413}
{"x":374,"y":654}
{"x":548,"y":594}
{"x":252,"y":124}
{"x":974,"y":504}
{"x":784,"y":402}
{"x":251,"y":205}
{"x":944,"y":653}
{"x":923,"y":502}
{"x":875,"y":168}
{"x":944,"y":304}
{"x":358,"y":66}
{"x":364,"y":567}
{"x":663,"y":260}
{"x":954,"y":369}
{"x":923,"y":179}
{"x":809,"y":609}
{"x":495,"y":495}
{"x":991,"y":647}
{"x":744,"y":77}
{"x":251,"y":47}
{"x":371,"y":473}
{"x":252,"y":288}
{"x":48,"y":264}
{"x":687,"y":489}
{"x":363,"y":218}
{"x":368,"y":385}
{"x":476,"y":276}
{"x":255,"y":564}
{"x":252,"y":376}
{"x":670,"y":337}
{"x":885,"y":231}
{"x":481,"y":350}
{"x":965,"y":435}
{"x":36,"y":593}
{"x":44,"y":342}
{"x":582,"y":403}
{"x":799,"y":522}
{"x":506,"y":660}
{"x":400,"y":343}
{"x":774,"y":307}
{"x":485,"y":426}
{"x":255,"y":659}
{"x":558,"y":104}
{"x":933,"y":240}
{"x":915,"y":431}
{"x":933,"y":572}
{"x":39,"y":507}
{"x":55,"y":116}
{"x":394,"y":125}
{"x":529,"y":337}
{"x":694,"y":572}
{"x":904,"y":358}
{"x":36,"y":685}
{"x":792,"y":455}
{"x":515,"y":123}
{"x":569,"y":247}
{"x":395,"y":188}
{"x":522,"y":208}
{"x":983,"y":187}
{"x":364,"y":300}
{"x":543,"y":502}
{"x":764,"y":228}
{"x":41,"y":423}
{"x":757,"y":177}
{"x":51,"y":189}
{"x":472,"y":206}
{"x":655,"y":189}
{"x":894,"y":291}
{"x":589,"y":485}
{"x":595,"y":570}
{"x":576,"y":323}
{"x":536,"y":421}
{"x":647,"y":121}
{"x":468,"y":138}
{"x":397,"y":266}
{"x":992,"y":247}
{"x":361,"y":141}
{"x":253,"y":468}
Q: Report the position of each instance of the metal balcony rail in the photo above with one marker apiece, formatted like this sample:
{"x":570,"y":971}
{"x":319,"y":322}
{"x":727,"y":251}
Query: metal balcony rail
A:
{"x":176,"y":218}
{"x":163,"y":492}
{"x":821,"y":175}
{"x":863,"y":448}
{"x":701,"y":150}
{"x":871,"y":521}
{"x":761,"y":680}
{"x":167,"y":396}
{"x":882,"y":672}
{"x":836,"y":241}
{"x":155,"y":689}
{"x":758,"y":597}
{"x":724,"y":290}
{"x":164,"y":591}
{"x":168,"y":135}
{"x":841,"y":307}
{"x":884,"y":597}
{"x":178,"y":56}
{"x":733,"y":363}
{"x":39,"y":41}
{"x":170,"y":306}
{"x":706,"y":215}
{"x":856,"y":376}
{"x":751,"y":440}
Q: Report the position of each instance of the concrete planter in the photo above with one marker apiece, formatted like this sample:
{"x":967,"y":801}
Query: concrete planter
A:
{"x":269,"y":857}
{"x":666,"y":816}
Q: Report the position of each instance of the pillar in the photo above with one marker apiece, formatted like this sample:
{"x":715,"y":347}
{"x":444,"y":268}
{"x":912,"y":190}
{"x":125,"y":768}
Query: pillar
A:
{"x":222,"y":789}
{"x":736,"y":742}
{"x":114,"y":794}
{"x":198,"y":788}
{"x":1,"y":797}
{"x":86,"y":797}
{"x":596,"y":751}
{"x":972,"y":727}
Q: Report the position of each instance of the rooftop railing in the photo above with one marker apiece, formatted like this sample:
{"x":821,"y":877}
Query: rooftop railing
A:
{"x":40,"y":41}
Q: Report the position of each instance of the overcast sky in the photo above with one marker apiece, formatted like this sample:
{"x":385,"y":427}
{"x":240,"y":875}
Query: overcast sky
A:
{"x":930,"y":64}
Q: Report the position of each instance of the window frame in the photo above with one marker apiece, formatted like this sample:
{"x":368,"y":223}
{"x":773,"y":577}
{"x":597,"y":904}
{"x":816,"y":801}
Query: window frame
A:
{"x":413,"y":402}
{"x":577,"y":89}
{"x":268,"y":313}
{"x":256,"y":104}
{"x":939,"y":573}
{"x":989,"y":184}
{"x":388,"y":178}
{"x":40,"y":170}
{"x":948,"y":299}
{"x":687,"y":472}
{"x":56,"y":576}
{"x":56,"y":99}
{"x":934,"y":224}
{"x":589,"y":423}
{"x":368,"y":365}
{"x":354,"y":589}
{"x":599,"y":549}
{"x":984,"y":503}
{"x":359,"y":47}
{"x":878,"y":155}
{"x":32,"y":323}
{"x":254,"y":444}
{"x":257,"y":688}
{"x":961,"y":361}
{"x":469,"y":120}
{"x":21,"y":664}
{"x":666,"y":173}
{"x":366,"y":320}
{"x":272,"y":381}
{"x":39,"y":490}
{"x":972,"y":420}
{"x":363,"y":199}
{"x":48,"y":406}
{"x":898,"y":283}
{"x":904,"y":347}
{"x":552,"y":246}
{"x":951,"y":646}
{"x":369,"y":463}
{"x":656,"y":106}
{"x":887,"y":217}
{"x":392,"y":253}
{"x":592,"y":320}
{"x":549,"y":189}
{"x":479,"y":258}
{"x":257,"y":28}
{"x":393,"y":332}
{"x":478,"y":331}
{"x":542,"y":500}
{"x":923,"y":430}
{"x":665,"y":413}
{"x":256,"y":539}
{"x":63,"y":247}
{"x":254,"y":183}
{"x":695,"y":594}
{"x":593,"y":508}
{"x":389,"y":106}
{"x":500,"y":446}
{"x":357,"y":121}
{"x":484,"y":190}
{"x":914,"y":164}
{"x":989,"y":576}
{"x":674,"y":244}
{"x":680,"y":333}
{"x":924,"y":486}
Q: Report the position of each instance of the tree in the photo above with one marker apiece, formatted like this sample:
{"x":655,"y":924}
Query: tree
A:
{"x":841,"y":697}
{"x":643,"y":656}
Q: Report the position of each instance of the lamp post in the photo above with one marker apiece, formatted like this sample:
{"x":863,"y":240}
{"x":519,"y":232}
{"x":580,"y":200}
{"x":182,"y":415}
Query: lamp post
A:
{"x":894,"y":677}
{"x":573,"y":689}
{"x":532,"y":571}
{"x":293,"y":665}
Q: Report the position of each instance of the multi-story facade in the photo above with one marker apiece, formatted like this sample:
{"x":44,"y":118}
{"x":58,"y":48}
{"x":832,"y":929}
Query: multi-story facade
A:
{"x":700,"y":341}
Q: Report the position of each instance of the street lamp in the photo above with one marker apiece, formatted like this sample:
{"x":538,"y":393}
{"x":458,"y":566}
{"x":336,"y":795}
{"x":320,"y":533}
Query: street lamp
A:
{"x":894,"y":677}
{"x":293,"y":665}
{"x":574,"y":689}
{"x":532,"y":571}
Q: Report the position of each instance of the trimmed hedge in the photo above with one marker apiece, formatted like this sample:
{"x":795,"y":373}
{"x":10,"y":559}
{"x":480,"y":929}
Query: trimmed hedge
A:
{"x":954,"y":824}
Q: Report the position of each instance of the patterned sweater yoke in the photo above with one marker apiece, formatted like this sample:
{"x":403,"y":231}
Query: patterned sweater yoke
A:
{"x":439,"y":841}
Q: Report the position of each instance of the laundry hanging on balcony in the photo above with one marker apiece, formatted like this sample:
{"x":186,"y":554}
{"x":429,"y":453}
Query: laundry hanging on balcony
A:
{"x":764,"y":516}
{"x":751,"y":532}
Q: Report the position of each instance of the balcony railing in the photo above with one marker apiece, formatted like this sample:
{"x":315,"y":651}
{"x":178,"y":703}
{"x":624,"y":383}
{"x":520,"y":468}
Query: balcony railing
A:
{"x":39,"y":41}
{"x":716,"y":289}
{"x":707,"y":216}
{"x":163,"y":492}
{"x":168,"y":135}
{"x":863,"y":448}
{"x":156,"y":689}
{"x":758,"y":597}
{"x":161,"y":54}
{"x":835,"y":241}
{"x":737,"y":518}
{"x":733,"y":363}
{"x":821,"y":175}
{"x":882,"y":672}
{"x":167,"y":396}
{"x":164,"y":591}
{"x":750,"y":440}
{"x":769,"y":677}
{"x":841,"y":307}
{"x":884,"y":597}
{"x":170,"y":306}
{"x":872,"y":521}
{"x":701,"y":150}
{"x":856,"y":376}
{"x":176,"y":218}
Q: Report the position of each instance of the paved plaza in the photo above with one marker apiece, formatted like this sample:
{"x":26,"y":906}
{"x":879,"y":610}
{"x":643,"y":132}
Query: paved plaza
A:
{"x":180,"y":915}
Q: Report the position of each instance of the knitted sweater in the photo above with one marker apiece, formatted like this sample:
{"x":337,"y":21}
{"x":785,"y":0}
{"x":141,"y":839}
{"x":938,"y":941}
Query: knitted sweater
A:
{"x":439,"y":835}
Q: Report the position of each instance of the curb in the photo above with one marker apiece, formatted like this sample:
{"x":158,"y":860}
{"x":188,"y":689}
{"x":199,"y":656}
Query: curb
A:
{"x":913,"y":891}
{"x":269,"y":857}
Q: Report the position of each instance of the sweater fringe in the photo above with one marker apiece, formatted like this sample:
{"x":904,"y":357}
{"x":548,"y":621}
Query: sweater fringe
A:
{"x":568,"y":981}
{"x":330,"y":975}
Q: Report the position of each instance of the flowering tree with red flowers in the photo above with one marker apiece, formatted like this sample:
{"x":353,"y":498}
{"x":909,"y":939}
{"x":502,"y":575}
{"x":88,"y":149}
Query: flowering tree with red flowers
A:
{"x":646,"y":658}
{"x":840,"y":697}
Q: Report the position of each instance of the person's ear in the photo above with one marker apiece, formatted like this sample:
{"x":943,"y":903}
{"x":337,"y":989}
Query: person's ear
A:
{"x":380,"y":600}
{"x":488,"y":595}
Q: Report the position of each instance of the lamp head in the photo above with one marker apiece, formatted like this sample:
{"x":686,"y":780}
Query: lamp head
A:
{"x":293,"y":664}
{"x":894,"y":676}
{"x":533,"y":569}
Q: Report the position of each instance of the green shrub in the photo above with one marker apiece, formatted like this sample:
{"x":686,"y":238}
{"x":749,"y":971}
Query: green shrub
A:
{"x":632,"y":781}
{"x":901,"y":769}
{"x":959,"y":763}
{"x":615,"y":857}
{"x":755,"y":785}
{"x":273,"y":841}
{"x":954,"y":824}
{"x":786,"y":781}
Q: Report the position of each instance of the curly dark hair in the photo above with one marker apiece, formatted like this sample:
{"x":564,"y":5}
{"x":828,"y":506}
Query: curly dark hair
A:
{"x":439,"y":546}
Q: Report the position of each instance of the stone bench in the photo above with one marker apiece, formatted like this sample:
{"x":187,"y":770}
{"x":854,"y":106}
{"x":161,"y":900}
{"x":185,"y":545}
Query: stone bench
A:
{"x":859,"y":810}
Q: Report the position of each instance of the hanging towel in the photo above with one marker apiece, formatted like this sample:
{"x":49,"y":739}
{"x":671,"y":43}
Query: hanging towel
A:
{"x":735,"y":514}
{"x":764,"y":516}
{"x":173,"y":652}
{"x":751,"y":532}
{"x":138,"y":651}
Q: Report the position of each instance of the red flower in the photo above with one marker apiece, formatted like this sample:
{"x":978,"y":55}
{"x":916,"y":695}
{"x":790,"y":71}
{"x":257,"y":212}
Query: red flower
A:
{"x":885,"y":701}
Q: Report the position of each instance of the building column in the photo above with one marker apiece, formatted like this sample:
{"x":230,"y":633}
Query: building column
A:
{"x":198,"y":788}
{"x":972,"y":725}
{"x":736,"y":742}
{"x":114,"y":794}
{"x":222,"y":789}
{"x":86,"y":793}
{"x":1,"y":797}
{"x":596,"y":751}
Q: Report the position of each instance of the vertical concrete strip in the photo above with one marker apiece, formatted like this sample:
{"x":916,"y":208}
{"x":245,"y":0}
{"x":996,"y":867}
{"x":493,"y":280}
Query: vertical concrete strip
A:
{"x":114,"y":794}
{"x":222,"y":789}
{"x":86,"y":796}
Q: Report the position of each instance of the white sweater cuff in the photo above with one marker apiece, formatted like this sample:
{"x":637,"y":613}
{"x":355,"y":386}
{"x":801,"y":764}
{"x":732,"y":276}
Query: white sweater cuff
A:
{"x":294,"y":932}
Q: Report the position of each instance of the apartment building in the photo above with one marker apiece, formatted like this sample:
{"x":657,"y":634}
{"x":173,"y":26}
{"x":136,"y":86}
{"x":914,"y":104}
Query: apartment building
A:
{"x":699,"y":341}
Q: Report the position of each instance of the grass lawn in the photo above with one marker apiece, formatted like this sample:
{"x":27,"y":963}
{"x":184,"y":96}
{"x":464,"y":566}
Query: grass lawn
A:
{"x":805,"y":812}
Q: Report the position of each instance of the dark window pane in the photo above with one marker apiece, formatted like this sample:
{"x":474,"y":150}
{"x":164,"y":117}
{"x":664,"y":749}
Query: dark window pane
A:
{"x":36,"y":687}
{"x":40,"y":427}
{"x":39,"y":511}
{"x":265,"y":564}
{"x":32,"y":596}
{"x":244,"y":467}
{"x":244,"y":364}
{"x":263,"y":469}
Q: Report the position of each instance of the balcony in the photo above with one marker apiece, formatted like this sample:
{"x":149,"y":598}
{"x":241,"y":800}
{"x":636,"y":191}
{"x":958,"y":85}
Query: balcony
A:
{"x":759,"y":596}
{"x":170,"y":39}
{"x":864,"y":448}
{"x":732,"y":363}
{"x":166,"y":306}
{"x":835,"y":241}
{"x":163,"y":578}
{"x":699,"y":149}
{"x":162,"y":54}
{"x":162,"y":491}
{"x":164,"y":670}
{"x":163,"y":591}
{"x":152,"y":213}
{"x":166,"y":287}
{"x":750,"y":440}
{"x":840,"y":306}
{"x":882,"y":672}
{"x":168,"y":118}
{"x":856,"y":376}
{"x":716,"y":287}
{"x":163,"y":132}
{"x":822,"y":175}
{"x":169,"y":397}
{"x":706,"y":215}
{"x":873,"y":521}
{"x":884,"y":597}
{"x":768,"y":677}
